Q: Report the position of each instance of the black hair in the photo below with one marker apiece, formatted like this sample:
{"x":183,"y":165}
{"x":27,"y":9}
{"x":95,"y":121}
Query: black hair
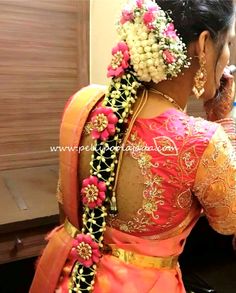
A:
{"x":192,"y":17}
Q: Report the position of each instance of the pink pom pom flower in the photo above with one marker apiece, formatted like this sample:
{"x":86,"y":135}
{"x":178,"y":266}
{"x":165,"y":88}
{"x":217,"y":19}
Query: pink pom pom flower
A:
{"x":93,"y":192}
{"x":170,"y":31}
{"x":148,"y":19}
{"x":103,"y":121}
{"x":120,"y":60}
{"x":127,"y":14}
{"x":168,"y":57}
{"x":85,"y":250}
{"x":139,"y":3}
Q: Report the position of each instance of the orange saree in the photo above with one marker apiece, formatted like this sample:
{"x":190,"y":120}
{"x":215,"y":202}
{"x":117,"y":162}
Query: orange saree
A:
{"x":111,"y":270}
{"x":135,"y":264}
{"x":158,"y":274}
{"x":56,"y":252}
{"x":134,"y":261}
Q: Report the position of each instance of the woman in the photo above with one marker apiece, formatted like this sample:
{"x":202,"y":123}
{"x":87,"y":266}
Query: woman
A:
{"x":132,"y":199}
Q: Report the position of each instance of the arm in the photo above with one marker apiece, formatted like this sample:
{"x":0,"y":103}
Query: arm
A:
{"x":215,"y":183}
{"x":219,"y":108}
{"x":229,"y":126}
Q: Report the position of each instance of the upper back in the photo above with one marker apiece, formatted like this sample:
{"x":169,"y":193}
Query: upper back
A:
{"x":157,"y":171}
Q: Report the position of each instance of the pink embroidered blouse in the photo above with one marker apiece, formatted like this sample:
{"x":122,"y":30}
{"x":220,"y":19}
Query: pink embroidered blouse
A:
{"x":184,"y":163}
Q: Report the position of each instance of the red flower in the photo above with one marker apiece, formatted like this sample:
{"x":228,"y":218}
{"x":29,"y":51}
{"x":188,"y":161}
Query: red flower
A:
{"x":169,"y":58}
{"x":148,"y":19}
{"x":93,"y":192}
{"x":150,"y":16}
{"x":103,"y":123}
{"x":119,"y":60}
{"x":170,"y":31}
{"x":85,"y":250}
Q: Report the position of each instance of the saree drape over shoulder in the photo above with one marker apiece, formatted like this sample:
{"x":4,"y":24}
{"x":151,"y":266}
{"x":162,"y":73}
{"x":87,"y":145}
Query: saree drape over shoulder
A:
{"x":180,"y":166}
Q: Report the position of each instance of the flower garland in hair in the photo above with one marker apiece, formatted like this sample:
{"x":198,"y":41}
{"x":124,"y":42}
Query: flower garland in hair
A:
{"x":108,"y":125}
{"x":149,"y":49}
{"x":157,"y":52}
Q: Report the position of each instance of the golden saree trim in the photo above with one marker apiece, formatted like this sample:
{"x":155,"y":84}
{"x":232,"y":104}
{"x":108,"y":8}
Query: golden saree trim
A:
{"x":145,"y":261}
{"x":70,"y":229}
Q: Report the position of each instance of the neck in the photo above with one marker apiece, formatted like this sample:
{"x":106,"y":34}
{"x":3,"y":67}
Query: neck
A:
{"x":179,"y":89}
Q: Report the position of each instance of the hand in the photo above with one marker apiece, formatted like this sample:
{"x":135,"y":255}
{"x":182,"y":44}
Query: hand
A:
{"x":221,"y":105}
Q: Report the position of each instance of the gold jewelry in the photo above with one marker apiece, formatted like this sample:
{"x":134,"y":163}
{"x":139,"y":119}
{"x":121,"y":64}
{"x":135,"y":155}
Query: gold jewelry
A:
{"x":200,"y":78}
{"x":145,"y":261}
{"x":70,"y":229}
{"x":167,"y":98}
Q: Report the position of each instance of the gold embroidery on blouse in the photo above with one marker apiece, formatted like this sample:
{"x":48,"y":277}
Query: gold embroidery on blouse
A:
{"x":189,"y":160}
{"x":165,"y":146}
{"x":138,"y":223}
{"x":215,"y":183}
{"x":185,"y":199}
{"x":199,"y":125}
{"x":153,"y":193}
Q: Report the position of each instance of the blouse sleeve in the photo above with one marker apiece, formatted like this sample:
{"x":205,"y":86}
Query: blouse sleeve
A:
{"x":229,"y":126}
{"x":215,"y":183}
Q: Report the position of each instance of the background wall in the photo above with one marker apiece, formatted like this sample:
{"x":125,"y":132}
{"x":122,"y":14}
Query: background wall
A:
{"x":103,"y":36}
{"x":43,"y":60}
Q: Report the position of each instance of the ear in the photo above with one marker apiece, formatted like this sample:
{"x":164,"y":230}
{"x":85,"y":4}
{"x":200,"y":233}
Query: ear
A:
{"x":203,"y":44}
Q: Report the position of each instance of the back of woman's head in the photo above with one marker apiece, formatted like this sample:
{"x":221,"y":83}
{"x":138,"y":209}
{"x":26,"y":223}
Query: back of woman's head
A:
{"x":191,"y":17}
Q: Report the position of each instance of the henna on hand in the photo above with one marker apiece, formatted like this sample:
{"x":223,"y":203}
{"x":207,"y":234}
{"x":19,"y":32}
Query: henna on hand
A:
{"x":220,"y":106}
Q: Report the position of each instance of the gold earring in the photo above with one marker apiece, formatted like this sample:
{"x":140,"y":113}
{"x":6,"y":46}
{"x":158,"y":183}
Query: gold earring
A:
{"x":200,"y":78}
